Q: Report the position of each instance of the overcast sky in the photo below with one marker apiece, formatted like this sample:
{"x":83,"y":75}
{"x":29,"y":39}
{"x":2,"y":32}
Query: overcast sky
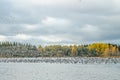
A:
{"x":60,"y":21}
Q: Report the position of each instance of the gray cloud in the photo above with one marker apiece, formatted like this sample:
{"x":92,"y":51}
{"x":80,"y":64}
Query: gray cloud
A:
{"x":62,"y":21}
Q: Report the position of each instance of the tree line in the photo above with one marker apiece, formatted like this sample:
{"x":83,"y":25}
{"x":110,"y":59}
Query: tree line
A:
{"x":15,"y":49}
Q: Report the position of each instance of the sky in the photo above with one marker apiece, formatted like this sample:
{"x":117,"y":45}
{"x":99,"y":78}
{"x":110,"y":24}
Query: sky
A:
{"x":60,"y":21}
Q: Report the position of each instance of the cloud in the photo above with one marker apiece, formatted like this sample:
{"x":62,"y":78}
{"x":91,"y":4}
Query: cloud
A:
{"x":30,"y":27}
{"x":91,"y":32}
{"x":90,"y":29}
{"x":21,"y":37}
{"x":2,"y":38}
{"x":36,"y":40}
{"x":51,"y":21}
{"x":59,"y":21}
{"x":50,"y":38}
{"x":44,"y":2}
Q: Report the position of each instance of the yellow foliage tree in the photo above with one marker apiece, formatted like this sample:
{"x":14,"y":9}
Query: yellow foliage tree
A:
{"x":114,"y":51}
{"x":73,"y":50}
{"x":106,"y":52}
{"x":98,"y":47}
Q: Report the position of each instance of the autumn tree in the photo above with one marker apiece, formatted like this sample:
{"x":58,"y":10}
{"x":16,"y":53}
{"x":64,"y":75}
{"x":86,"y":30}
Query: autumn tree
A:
{"x":106,"y":52}
{"x":73,"y":50}
{"x":98,"y":47}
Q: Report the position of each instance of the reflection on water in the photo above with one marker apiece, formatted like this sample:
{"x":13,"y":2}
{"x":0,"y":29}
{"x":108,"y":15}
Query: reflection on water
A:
{"x":47,"y":71}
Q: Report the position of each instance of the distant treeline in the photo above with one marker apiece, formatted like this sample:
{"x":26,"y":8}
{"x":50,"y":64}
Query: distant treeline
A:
{"x":15,"y":49}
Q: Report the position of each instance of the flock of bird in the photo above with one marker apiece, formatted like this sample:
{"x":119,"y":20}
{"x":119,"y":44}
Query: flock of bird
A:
{"x":65,"y":60}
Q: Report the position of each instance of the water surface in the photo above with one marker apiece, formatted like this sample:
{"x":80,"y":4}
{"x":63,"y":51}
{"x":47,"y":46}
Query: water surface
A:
{"x":57,"y":71}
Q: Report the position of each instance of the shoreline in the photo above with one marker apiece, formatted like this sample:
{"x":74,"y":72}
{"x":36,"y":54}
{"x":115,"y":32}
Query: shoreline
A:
{"x":65,"y":60}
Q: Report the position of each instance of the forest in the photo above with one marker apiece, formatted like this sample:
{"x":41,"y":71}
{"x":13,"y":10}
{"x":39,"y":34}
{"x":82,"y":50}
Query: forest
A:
{"x":16,"y":49}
